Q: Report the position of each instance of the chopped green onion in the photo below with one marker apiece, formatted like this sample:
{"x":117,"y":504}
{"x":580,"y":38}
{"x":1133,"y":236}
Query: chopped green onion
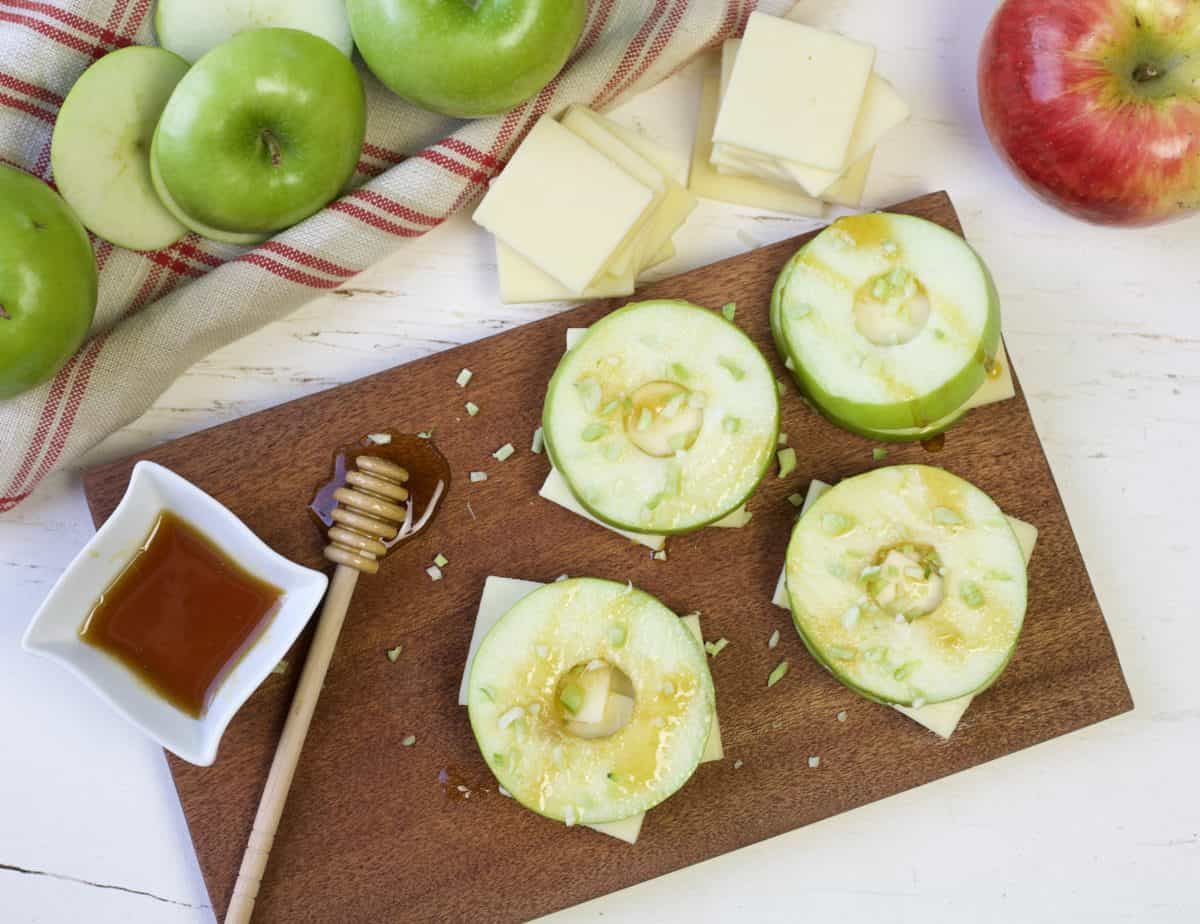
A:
{"x":594,"y":431}
{"x":880,"y":290}
{"x":898,"y":277}
{"x":440,"y":560}
{"x":999,"y":576}
{"x":787,"y":461}
{"x":715,"y":648}
{"x":425,"y":434}
{"x":731,"y":424}
{"x":850,"y":618}
{"x":841,"y":716}
{"x":939,"y":334}
{"x":464,"y":378}
{"x":738,"y":764}
{"x":774,"y":639}
{"x":280,"y":668}
{"x":842,"y":654}
{"x":782,"y":439}
{"x":674,"y":405}
{"x":732,"y":368}
{"x":835,"y":523}
{"x":476,"y":477}
{"x":796,"y":500}
{"x":878,"y":454}
{"x":680,"y":371}
{"x":813,"y":763}
{"x":487,"y":694}
{"x":645,"y":419}
{"x":729,"y":310}
{"x":434,"y":572}
{"x":905,"y":669}
{"x":657,"y":499}
{"x":394,"y":653}
{"x":777,"y":675}
{"x":780,"y":387}
{"x":472,"y":408}
{"x":571,"y":697}
{"x":379,"y":439}
{"x":616,"y":636}
{"x":660,"y":555}
{"x":971,"y":594}
{"x":503,"y":452}
{"x":946,"y":517}
{"x":609,"y":408}
{"x":409,"y":740}
{"x":589,"y":393}
{"x":539,"y":441}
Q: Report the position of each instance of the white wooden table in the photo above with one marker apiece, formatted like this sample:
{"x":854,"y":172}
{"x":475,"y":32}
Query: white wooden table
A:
{"x":1103,"y":328}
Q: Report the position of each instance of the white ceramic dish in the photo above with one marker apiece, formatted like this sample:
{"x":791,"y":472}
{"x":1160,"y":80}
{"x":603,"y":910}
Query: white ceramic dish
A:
{"x":54,"y":631}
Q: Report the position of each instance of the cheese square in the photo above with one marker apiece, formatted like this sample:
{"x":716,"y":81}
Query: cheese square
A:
{"x":849,"y":188}
{"x":563,"y":205}
{"x":704,"y":180}
{"x":795,"y":93}
{"x":521,"y":281}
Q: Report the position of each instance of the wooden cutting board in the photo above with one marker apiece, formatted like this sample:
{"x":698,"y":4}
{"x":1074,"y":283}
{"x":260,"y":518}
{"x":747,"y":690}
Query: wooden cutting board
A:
{"x":375,"y":831}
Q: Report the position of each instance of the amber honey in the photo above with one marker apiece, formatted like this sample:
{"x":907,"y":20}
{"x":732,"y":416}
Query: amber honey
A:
{"x":180,"y":614}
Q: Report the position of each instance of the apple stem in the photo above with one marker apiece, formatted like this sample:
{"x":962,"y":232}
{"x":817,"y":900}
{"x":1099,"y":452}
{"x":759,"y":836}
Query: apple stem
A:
{"x":273,"y":147}
{"x":1145,"y":72}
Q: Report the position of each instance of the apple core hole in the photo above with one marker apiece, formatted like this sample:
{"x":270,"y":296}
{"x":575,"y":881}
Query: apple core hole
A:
{"x":891,"y":308}
{"x":664,"y":418}
{"x":594,"y":699}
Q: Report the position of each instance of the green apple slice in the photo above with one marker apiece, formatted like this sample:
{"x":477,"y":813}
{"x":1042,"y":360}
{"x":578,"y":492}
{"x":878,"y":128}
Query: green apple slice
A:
{"x":909,"y":584}
{"x":663,"y":418}
{"x":100,"y":151}
{"x":890,"y":322}
{"x":524,"y":697}
{"x":191,"y":28}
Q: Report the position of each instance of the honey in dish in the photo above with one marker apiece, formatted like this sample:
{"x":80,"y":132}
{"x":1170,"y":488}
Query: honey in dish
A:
{"x":180,"y":614}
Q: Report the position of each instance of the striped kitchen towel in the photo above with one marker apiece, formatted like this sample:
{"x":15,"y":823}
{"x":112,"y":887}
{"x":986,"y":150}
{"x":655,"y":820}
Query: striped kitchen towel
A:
{"x":160,"y":312}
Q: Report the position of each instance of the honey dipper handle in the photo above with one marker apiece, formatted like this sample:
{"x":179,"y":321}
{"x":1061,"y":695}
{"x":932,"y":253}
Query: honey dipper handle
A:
{"x":291,"y":742}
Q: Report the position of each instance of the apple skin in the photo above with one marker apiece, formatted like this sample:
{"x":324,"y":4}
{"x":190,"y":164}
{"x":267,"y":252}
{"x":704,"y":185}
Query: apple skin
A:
{"x":1095,"y":104}
{"x":464,"y":61}
{"x":47,"y":282}
{"x":262,"y":132}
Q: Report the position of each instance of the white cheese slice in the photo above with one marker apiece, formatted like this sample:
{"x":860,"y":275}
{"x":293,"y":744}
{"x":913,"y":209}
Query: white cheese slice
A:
{"x":705,"y":181}
{"x":795,"y":93}
{"x":849,"y":189}
{"x":882,"y":110}
{"x":521,"y":281}
{"x":674,"y":202}
{"x":500,"y":594}
{"x":665,"y":253}
{"x":939,"y":718}
{"x":563,"y":205}
{"x":605,"y":142}
{"x":556,"y":490}
{"x":997,"y":387}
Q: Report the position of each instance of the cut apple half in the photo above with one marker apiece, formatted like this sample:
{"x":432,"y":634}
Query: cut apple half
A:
{"x":909,"y":584}
{"x":663,"y":418}
{"x":191,"y":28}
{"x":100,"y":151}
{"x":190,"y":223}
{"x":889,"y":323}
{"x":590,"y":701}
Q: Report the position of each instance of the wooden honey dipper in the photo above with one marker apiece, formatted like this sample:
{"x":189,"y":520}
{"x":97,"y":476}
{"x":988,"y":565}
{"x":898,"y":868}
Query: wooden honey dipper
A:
{"x":368,"y":520}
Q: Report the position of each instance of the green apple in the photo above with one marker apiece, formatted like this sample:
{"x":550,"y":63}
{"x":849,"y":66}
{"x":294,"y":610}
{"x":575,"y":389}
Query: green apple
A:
{"x":262,"y":132}
{"x":466,"y":60}
{"x":101,"y":147}
{"x":47,"y":282}
{"x":190,"y":28}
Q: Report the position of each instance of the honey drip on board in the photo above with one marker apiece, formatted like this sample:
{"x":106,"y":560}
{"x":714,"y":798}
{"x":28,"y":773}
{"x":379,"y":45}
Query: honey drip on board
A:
{"x":935,"y":443}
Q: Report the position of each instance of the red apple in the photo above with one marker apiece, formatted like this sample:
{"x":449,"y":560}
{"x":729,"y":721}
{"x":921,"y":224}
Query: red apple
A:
{"x":1096,"y":104}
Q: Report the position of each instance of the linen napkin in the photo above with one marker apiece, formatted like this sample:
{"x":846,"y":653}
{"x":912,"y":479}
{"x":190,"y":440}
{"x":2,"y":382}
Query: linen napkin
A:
{"x":160,"y":312}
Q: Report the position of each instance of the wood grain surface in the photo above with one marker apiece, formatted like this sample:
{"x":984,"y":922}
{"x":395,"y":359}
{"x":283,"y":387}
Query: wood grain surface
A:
{"x":371,"y":832}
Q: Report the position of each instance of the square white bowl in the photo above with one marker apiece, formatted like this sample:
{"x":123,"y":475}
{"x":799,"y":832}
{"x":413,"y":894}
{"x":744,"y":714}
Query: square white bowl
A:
{"x":54,"y":631}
